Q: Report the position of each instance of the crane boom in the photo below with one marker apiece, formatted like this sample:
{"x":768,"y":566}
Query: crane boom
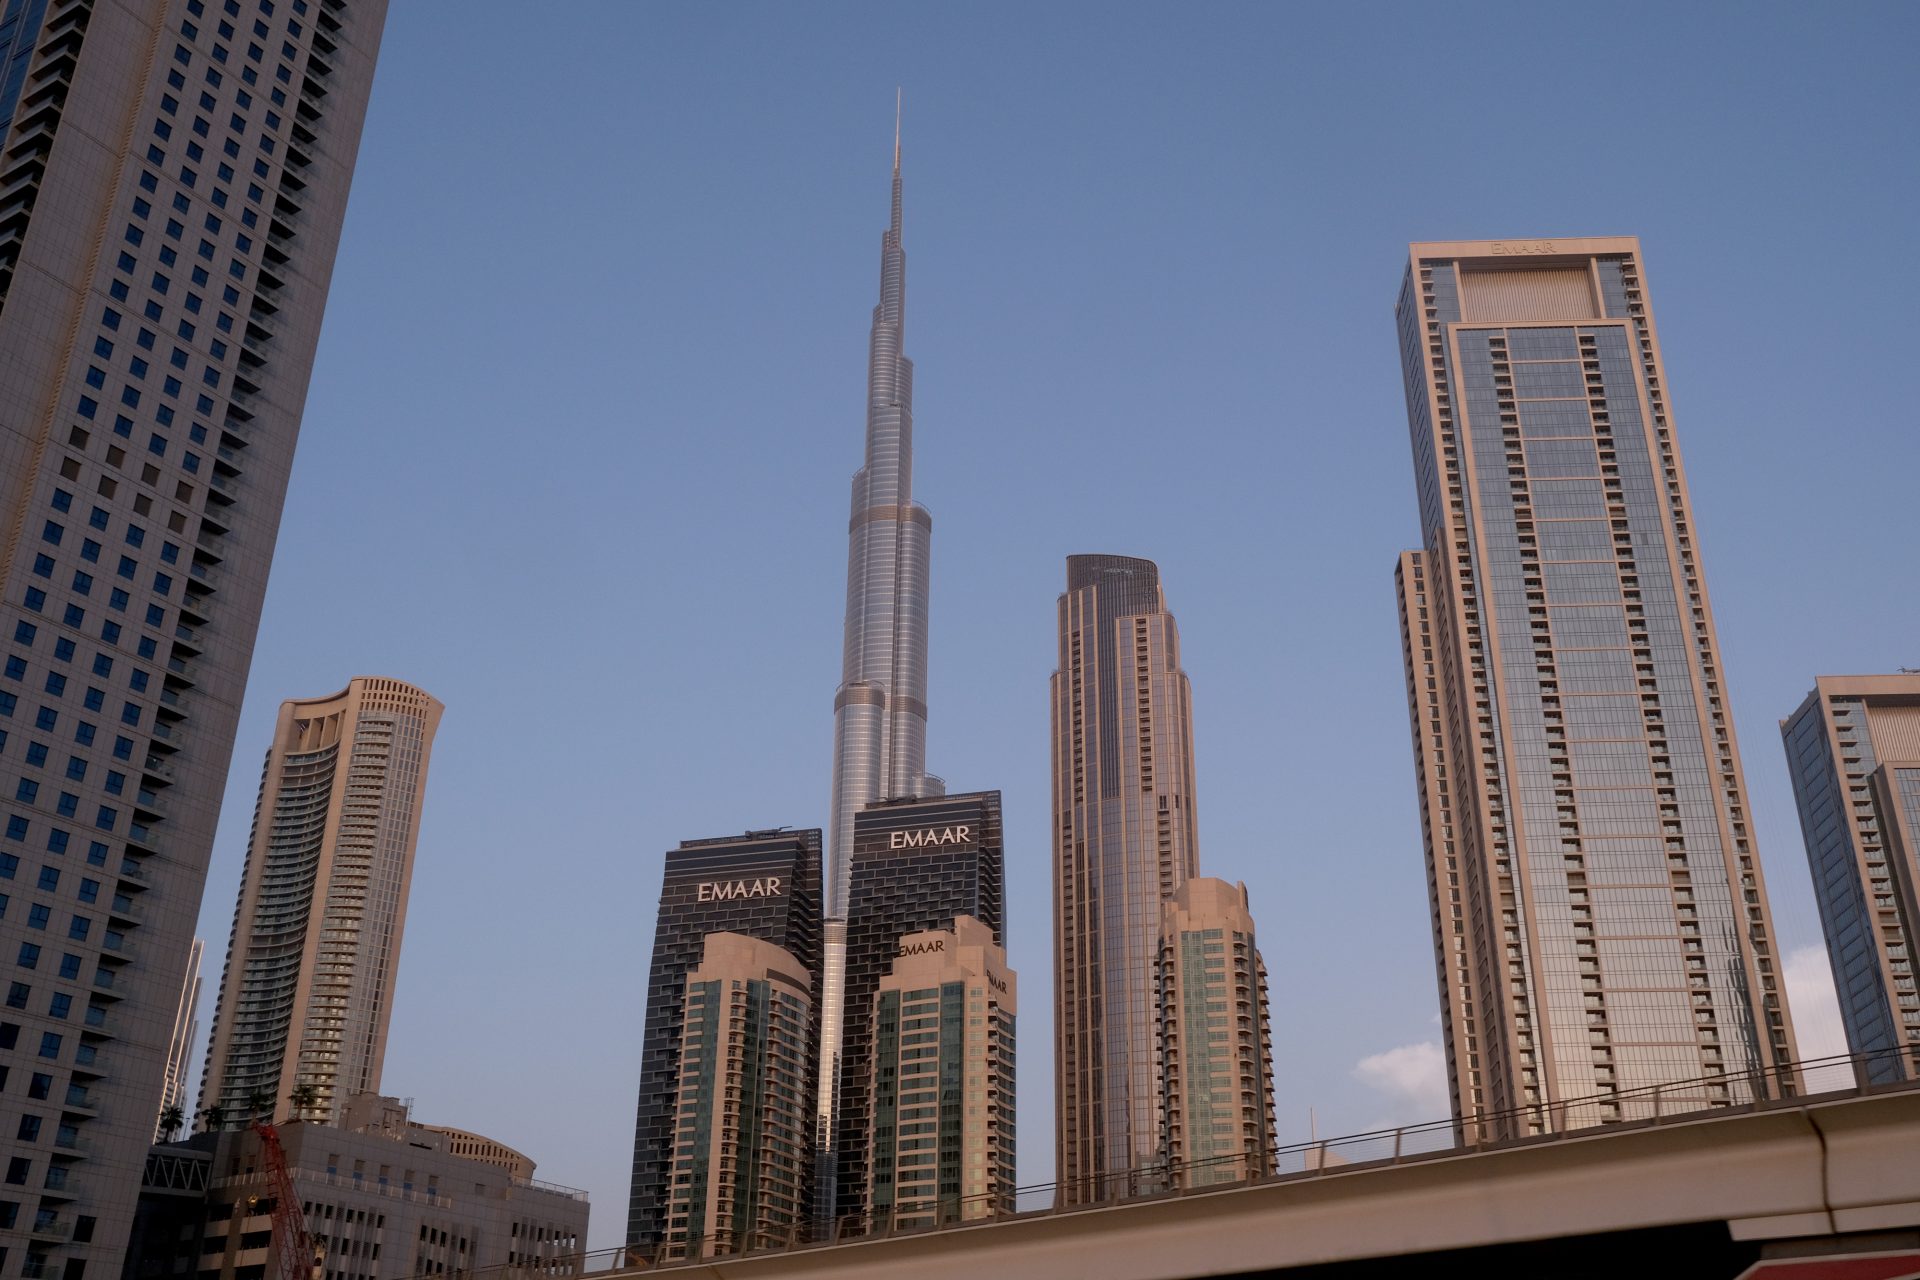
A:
{"x":290,"y":1239}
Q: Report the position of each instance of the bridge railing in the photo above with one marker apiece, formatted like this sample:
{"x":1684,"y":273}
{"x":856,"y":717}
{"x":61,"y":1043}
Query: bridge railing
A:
{"x":1757,"y":1089}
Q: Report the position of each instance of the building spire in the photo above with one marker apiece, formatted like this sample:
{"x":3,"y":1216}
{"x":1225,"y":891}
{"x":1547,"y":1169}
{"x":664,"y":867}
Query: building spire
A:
{"x":896,"y":130}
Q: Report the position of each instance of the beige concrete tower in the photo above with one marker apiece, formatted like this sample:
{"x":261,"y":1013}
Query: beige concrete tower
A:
{"x":942,"y":1108}
{"x":308,"y":987}
{"x":171,"y":198}
{"x":1600,"y":920}
{"x":1216,"y":1041}
{"x":1853,"y":748}
{"x":743,"y":1120}
{"x":1123,"y":841}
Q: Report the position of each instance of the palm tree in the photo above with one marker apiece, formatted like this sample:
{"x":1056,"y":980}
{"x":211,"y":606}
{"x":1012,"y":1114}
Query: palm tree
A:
{"x":170,"y":1121}
{"x":303,"y":1099}
{"x":213,"y":1119}
{"x":258,"y":1104}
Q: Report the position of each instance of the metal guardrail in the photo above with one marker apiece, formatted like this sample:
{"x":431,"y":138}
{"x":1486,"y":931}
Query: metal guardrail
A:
{"x":1810,"y":1080}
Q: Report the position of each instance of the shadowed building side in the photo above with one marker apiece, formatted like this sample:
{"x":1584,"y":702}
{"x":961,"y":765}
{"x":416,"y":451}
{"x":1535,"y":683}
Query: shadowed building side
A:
{"x":171,"y":200}
{"x":1853,"y":749}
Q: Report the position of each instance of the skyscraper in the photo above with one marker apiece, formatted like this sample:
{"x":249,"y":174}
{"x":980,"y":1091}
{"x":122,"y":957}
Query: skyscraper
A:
{"x":743,"y":1115}
{"x":940,"y":1119}
{"x":765,"y":885}
{"x":917,"y":865}
{"x":1124,"y":840}
{"x":1853,"y":748}
{"x":170,"y":202}
{"x":1600,"y":917}
{"x":1216,"y":1041}
{"x":880,"y":709}
{"x":186,"y":1028}
{"x":307,"y":992}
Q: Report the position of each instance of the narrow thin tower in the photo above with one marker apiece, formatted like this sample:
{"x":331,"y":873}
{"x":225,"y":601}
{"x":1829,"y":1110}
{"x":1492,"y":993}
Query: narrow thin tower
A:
{"x":880,"y":710}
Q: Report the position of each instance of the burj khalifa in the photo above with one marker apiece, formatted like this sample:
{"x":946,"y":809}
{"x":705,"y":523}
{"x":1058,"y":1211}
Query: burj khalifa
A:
{"x":880,"y":709}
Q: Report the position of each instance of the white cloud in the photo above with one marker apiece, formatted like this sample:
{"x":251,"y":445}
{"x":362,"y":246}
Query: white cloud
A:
{"x":1414,"y":1078}
{"x":1816,"y":1015}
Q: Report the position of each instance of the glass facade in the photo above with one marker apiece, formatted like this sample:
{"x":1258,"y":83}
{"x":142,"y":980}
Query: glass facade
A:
{"x":20,"y":22}
{"x":917,"y":865}
{"x":1613,"y":935}
{"x":880,"y":708}
{"x":1853,"y":750}
{"x":764,"y":885}
{"x":1216,"y":1058}
{"x":1124,"y":841}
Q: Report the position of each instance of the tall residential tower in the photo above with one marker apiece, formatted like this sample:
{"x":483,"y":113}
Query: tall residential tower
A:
{"x":1124,"y":840}
{"x":172,"y":185}
{"x":1216,"y":1037}
{"x":1600,"y":919}
{"x":1853,"y":749}
{"x":940,"y":1117}
{"x":880,"y":709}
{"x":307,"y":992}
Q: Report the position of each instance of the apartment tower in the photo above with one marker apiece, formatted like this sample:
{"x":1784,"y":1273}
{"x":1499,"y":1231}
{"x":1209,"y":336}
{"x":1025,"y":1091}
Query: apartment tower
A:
{"x":743,"y":1117}
{"x":880,"y":708}
{"x":917,"y":865}
{"x":762,"y":885}
{"x":1216,"y":1040}
{"x":1124,"y":840}
{"x":941,"y":1115}
{"x":1600,"y":918}
{"x":172,"y":184}
{"x":307,"y":992}
{"x":1853,"y":748}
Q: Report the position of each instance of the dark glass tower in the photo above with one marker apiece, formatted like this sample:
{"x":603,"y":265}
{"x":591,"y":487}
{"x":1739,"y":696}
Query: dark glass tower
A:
{"x":917,"y":864}
{"x":1853,"y":749}
{"x":765,"y":885}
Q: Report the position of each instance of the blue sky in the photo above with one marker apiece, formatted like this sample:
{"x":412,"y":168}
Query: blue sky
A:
{"x":590,"y":392}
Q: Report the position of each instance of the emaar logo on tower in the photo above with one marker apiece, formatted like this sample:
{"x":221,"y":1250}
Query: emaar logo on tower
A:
{"x":931,"y":837}
{"x":726,"y":890}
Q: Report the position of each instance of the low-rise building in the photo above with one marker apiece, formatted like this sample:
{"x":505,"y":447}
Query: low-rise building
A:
{"x":384,"y":1199}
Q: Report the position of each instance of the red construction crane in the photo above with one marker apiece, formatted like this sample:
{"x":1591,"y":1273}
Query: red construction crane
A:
{"x":298,"y":1260}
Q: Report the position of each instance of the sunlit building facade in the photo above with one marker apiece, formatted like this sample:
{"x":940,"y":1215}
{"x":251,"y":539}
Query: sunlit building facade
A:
{"x":307,"y":993}
{"x":940,"y":1115}
{"x":880,"y":706}
{"x":1124,"y":840}
{"x":1216,"y":1039}
{"x":743,"y":1116}
{"x":1600,"y":918}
